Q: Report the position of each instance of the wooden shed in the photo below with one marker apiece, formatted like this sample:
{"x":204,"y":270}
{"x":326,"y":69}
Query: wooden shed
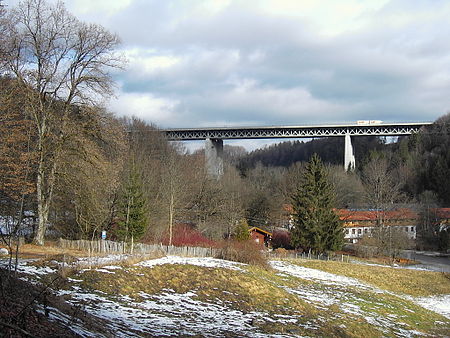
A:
{"x":260,"y":236}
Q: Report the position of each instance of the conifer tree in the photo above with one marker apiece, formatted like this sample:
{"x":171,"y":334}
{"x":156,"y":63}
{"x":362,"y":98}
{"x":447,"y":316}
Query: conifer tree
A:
{"x":133,"y":212}
{"x":316,"y":225}
{"x":241,"y":231}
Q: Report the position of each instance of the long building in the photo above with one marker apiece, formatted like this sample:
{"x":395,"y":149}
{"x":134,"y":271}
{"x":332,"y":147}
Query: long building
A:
{"x":358,"y":223}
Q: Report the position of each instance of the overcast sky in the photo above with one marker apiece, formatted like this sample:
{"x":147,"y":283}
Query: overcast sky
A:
{"x":198,"y":63}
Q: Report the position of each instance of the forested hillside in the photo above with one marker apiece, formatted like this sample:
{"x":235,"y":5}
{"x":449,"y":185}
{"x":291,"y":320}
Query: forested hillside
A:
{"x":330,"y":150}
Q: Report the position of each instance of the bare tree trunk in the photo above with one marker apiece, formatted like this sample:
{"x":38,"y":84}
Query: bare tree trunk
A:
{"x":171,"y":211}
{"x":44,"y":189}
{"x":42,"y":204}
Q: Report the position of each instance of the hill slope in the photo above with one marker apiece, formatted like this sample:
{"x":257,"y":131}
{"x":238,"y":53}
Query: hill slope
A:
{"x":330,"y":150}
{"x":211,"y":297}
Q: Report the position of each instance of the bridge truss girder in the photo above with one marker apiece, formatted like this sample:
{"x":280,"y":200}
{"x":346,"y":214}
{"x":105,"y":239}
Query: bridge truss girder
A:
{"x":292,"y":132}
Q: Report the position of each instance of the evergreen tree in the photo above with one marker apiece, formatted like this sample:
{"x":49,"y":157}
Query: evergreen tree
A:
{"x":316,"y":225}
{"x":133,"y":213}
{"x":241,"y":231}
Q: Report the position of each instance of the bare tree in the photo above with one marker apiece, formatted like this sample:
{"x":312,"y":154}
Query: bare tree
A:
{"x":383,"y":192}
{"x":348,"y":186}
{"x":88,"y":177}
{"x":174,"y":185}
{"x":382,"y":187}
{"x":60,"y":61}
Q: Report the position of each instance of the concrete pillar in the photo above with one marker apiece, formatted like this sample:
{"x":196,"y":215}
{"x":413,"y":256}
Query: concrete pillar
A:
{"x":214,"y":157}
{"x":349,"y":157}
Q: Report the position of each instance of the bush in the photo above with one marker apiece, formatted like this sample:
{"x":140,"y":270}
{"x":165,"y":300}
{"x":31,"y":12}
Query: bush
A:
{"x":247,"y":252}
{"x":187,"y":235}
{"x":281,"y":239}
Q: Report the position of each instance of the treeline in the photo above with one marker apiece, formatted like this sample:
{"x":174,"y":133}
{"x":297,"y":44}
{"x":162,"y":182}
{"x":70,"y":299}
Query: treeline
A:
{"x":330,"y":150}
{"x":71,"y":169}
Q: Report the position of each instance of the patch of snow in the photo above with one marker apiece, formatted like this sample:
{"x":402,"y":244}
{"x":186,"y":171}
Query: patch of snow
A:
{"x":169,"y":313}
{"x":112,"y":267}
{"x":208,"y":262}
{"x":24,"y":267}
{"x":338,"y":290}
{"x":439,"y":304}
{"x":314,"y":274}
{"x":75,"y":326}
{"x":101,"y":260}
{"x":105,"y":271}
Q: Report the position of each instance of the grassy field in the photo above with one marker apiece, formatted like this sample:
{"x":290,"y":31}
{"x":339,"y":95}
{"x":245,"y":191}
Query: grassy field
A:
{"x":237,"y":299}
{"x":354,"y":312}
{"x":405,"y":281}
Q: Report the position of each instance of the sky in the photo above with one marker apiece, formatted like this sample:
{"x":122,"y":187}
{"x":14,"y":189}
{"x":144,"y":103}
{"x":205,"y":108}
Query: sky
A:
{"x":202,"y":63}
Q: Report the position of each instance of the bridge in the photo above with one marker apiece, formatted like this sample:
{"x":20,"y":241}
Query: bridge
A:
{"x":214,"y":136}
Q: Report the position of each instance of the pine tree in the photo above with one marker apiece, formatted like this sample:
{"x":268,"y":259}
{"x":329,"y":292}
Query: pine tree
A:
{"x":133,"y":213}
{"x":241,"y":231}
{"x":316,"y":225}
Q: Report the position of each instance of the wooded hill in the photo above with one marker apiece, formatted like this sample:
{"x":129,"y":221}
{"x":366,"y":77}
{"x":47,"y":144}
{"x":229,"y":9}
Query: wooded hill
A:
{"x":330,"y":150}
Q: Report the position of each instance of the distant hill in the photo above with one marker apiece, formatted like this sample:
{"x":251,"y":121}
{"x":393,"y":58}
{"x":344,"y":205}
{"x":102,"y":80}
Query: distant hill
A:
{"x":330,"y":150}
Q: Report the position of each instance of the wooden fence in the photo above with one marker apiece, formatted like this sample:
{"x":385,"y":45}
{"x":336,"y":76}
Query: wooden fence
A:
{"x":110,"y":247}
{"x":306,"y":255}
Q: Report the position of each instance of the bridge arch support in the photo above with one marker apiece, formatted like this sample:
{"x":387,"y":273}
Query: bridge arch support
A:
{"x":214,"y":157}
{"x":349,"y":156}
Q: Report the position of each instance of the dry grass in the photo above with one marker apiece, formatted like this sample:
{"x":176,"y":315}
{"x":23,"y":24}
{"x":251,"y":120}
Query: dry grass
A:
{"x":50,"y":249}
{"x":257,"y":289}
{"x":262,"y":290}
{"x":247,"y":252}
{"x":403,"y":281}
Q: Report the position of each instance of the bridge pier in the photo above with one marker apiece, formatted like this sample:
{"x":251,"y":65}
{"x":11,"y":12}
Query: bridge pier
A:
{"x":349,"y":157}
{"x":214,"y":157}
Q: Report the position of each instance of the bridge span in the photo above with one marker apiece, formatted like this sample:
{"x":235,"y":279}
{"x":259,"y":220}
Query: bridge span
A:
{"x":214,"y":136}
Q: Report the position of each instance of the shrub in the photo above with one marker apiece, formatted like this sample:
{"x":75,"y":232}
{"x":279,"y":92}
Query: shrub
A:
{"x":281,"y":239}
{"x":187,"y":235}
{"x":247,"y":252}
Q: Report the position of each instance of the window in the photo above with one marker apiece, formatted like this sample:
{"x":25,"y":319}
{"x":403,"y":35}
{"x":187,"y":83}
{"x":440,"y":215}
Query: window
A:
{"x":359,"y":231}
{"x":365,"y":230}
{"x":346,"y":231}
{"x":412,"y":229}
{"x":406,"y":229}
{"x":353,"y":231}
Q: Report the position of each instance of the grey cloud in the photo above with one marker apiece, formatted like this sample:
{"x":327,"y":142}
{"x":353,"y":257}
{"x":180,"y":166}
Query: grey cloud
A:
{"x":381,"y":72}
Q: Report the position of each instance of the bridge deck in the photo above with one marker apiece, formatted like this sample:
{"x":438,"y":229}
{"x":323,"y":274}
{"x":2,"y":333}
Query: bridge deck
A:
{"x":381,"y":129}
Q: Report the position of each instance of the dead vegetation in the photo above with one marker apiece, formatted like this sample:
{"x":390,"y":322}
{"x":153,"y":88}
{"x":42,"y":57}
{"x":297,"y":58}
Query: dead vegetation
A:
{"x":247,"y":252}
{"x":403,"y":281}
{"x":30,"y":310}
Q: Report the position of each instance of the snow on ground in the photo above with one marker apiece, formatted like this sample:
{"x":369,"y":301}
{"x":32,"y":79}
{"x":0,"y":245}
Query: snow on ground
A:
{"x":439,"y":304}
{"x":170,"y":312}
{"x":335,"y":292}
{"x":314,"y":274}
{"x":164,"y":314}
{"x":101,"y":260}
{"x":208,"y":262}
{"x":25,"y":266}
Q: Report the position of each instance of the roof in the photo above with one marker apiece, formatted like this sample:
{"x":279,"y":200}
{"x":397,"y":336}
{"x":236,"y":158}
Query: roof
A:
{"x":372,"y":215}
{"x":443,"y":213}
{"x":260,"y":230}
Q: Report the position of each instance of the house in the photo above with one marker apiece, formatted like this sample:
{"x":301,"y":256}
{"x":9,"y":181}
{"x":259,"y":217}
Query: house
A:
{"x":260,"y":236}
{"x":358,"y":223}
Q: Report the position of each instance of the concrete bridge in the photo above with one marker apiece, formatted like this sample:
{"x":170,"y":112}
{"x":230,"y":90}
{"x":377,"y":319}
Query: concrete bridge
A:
{"x":214,"y":136}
